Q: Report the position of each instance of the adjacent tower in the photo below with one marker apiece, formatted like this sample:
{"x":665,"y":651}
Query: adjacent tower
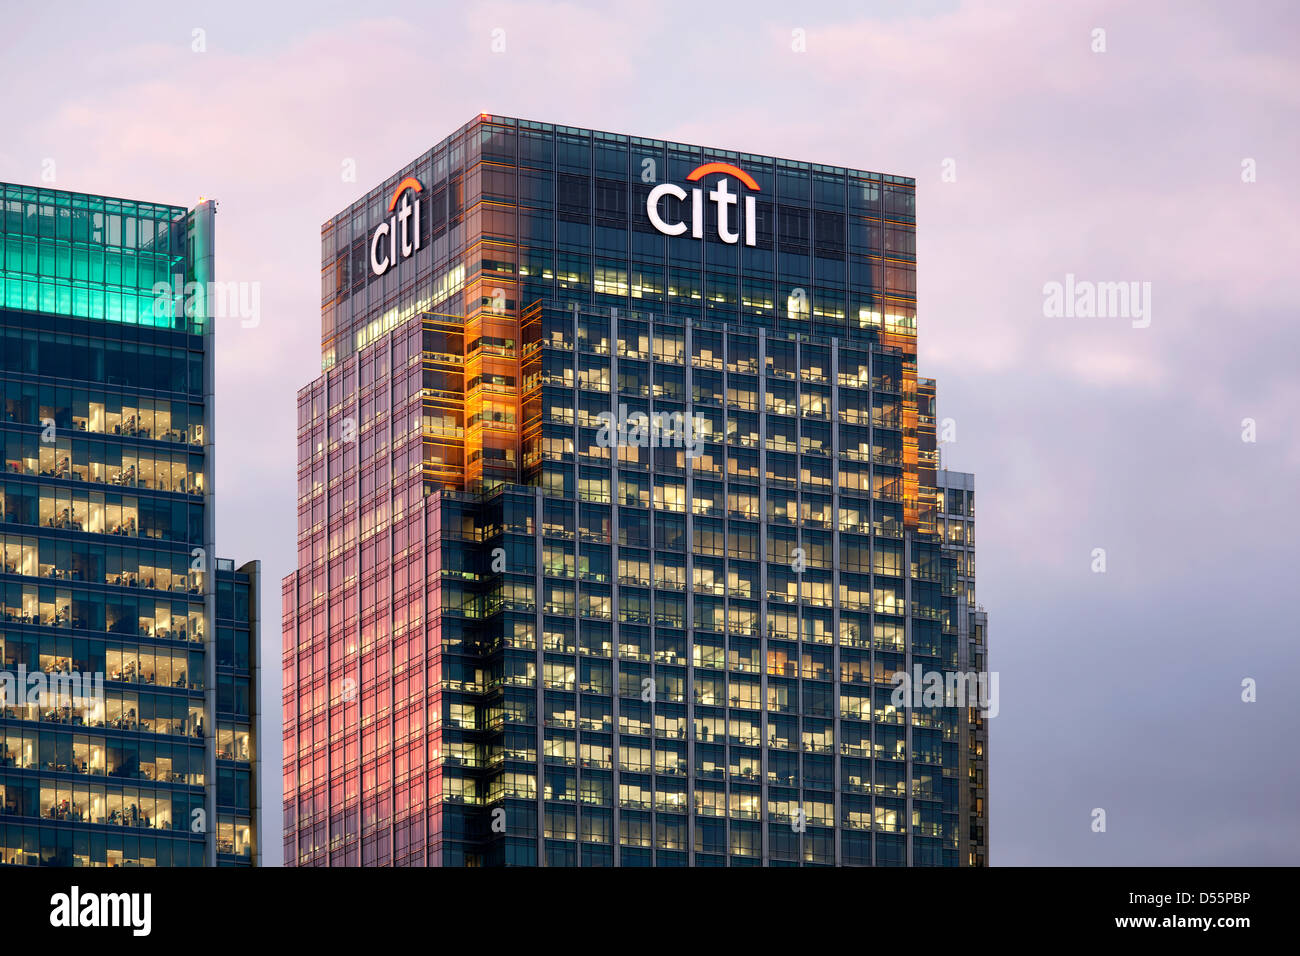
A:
{"x":128,"y":716}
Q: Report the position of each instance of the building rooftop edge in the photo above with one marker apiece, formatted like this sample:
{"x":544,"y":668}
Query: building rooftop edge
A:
{"x":74,"y":192}
{"x":516,"y":121}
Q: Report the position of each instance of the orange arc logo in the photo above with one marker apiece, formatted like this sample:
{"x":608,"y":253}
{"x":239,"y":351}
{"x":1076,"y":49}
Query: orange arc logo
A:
{"x":409,"y":182}
{"x":699,"y":172}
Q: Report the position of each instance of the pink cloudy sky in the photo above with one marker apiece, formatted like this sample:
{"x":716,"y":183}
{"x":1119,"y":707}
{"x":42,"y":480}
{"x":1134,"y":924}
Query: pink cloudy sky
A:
{"x":1118,"y":690}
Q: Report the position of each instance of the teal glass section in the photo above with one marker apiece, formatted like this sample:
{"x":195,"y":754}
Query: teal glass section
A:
{"x":93,"y":257}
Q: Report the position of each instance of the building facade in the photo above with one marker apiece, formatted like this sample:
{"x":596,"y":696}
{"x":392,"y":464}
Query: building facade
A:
{"x":956,"y":528}
{"x":127,"y":697}
{"x":532,"y":626}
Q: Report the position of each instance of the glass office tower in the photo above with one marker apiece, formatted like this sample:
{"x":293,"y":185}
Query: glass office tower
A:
{"x":127,"y":718}
{"x":513,"y":640}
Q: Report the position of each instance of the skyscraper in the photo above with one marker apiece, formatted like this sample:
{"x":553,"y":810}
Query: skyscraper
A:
{"x":619,"y":510}
{"x":127,"y":706}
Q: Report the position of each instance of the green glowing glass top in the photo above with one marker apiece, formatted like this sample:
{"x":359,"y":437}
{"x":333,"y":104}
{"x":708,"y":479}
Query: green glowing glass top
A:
{"x":92,"y":257}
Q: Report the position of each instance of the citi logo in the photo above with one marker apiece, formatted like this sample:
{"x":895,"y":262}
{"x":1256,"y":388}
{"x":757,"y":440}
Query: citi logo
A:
{"x":405,"y":221}
{"x":720,"y":195}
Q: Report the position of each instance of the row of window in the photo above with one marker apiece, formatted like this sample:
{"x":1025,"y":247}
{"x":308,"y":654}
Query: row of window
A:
{"x":784,"y":848}
{"x":123,"y":465}
{"x":123,"y":759}
{"x":30,"y":845}
{"x":86,"y":357}
{"x":101,"y":412}
{"x":663,"y":340}
{"x":97,"y":220}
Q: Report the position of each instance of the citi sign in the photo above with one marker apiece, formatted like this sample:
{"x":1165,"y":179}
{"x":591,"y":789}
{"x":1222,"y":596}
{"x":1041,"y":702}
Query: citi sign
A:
{"x":401,"y":233}
{"x":722,"y":197}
